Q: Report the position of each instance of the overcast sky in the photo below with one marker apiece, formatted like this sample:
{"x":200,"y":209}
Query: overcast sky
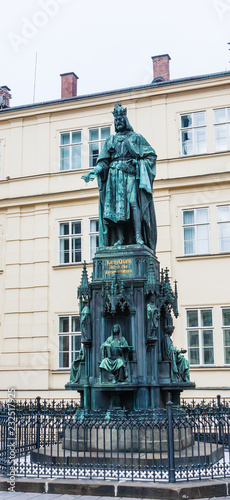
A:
{"x":108,"y":43}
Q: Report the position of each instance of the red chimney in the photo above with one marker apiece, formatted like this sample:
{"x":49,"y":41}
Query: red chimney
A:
{"x":5,"y":96}
{"x":68,"y":85}
{"x":161,"y":68}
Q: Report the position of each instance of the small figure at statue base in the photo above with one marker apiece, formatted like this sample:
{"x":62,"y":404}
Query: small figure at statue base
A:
{"x":179,"y":364}
{"x":115,"y":356}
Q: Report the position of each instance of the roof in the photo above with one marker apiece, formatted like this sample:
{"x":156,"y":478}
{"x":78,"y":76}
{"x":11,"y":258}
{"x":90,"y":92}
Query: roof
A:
{"x":117,"y":91}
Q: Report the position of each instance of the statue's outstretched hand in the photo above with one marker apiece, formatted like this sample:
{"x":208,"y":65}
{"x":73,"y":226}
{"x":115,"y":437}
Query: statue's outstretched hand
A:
{"x":90,"y":176}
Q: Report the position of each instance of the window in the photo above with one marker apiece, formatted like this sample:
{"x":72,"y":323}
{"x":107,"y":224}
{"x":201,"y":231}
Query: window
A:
{"x":226,"y":335}
{"x":69,"y":340}
{"x":70,"y":242}
{"x":196,"y":231}
{"x":94,"y":237}
{"x":97,"y":137}
{"x":193,"y":133}
{"x":224,"y":228}
{"x":70,"y":150}
{"x":200,"y":336}
{"x":222,"y":129}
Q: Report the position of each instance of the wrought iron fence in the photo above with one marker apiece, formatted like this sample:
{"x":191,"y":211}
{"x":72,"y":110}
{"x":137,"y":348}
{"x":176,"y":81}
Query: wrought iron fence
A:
{"x":59,"y":439}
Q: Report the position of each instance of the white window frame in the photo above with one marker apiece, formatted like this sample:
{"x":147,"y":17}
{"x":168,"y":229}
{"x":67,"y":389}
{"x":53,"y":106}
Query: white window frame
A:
{"x":193,"y":128}
{"x":219,"y":223}
{"x":195,"y":225}
{"x":71,"y":335}
{"x":99,"y":141}
{"x":218,"y":124}
{"x":200,"y":330}
{"x":70,"y":237}
{"x":91,"y":235}
{"x":224,"y":327}
{"x":70,"y":145}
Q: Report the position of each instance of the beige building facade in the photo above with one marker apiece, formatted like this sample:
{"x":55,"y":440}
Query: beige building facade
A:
{"x":48,"y":225}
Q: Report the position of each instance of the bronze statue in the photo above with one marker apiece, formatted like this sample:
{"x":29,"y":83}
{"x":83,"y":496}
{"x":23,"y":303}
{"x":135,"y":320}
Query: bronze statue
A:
{"x":75,"y":372}
{"x":125,"y":170}
{"x":115,"y":355}
{"x":85,"y":323}
{"x":153,"y":316}
{"x":179,"y":364}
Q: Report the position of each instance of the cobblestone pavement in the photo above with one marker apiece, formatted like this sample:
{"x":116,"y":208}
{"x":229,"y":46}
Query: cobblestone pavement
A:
{"x":5,"y":495}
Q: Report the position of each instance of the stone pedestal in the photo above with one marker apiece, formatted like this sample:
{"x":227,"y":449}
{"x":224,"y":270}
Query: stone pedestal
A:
{"x":126,"y":289}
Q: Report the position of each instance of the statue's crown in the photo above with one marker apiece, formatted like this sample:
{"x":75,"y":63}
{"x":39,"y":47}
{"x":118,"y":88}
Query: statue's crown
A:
{"x":119,"y":110}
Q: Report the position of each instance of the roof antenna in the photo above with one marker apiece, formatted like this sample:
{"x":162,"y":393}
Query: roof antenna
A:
{"x":35,"y":73}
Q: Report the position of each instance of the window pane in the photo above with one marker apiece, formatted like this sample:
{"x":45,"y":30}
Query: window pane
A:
{"x":193,"y":338}
{"x":64,"y":343}
{"x":94,"y":244}
{"x":64,"y":158}
{"x":226,"y":317}
{"x":207,"y":338}
{"x":188,"y":217}
{"x":64,"y":324}
{"x":64,"y":251}
{"x":63,"y":360}
{"x":221,"y":141}
{"x":186,"y":121}
{"x":199,"y":119}
{"x":202,"y":239}
{"x":227,"y":355}
{"x":65,"y":138}
{"x":93,"y":134}
{"x":187,"y":144}
{"x":206,"y":317}
{"x":208,"y":356}
{"x":227,"y":337}
{"x":189,"y":240}
{"x":76,"y":137}
{"x":75,"y":324}
{"x":228,"y":114}
{"x":76,"y":151}
{"x":76,"y":227}
{"x":76,"y":343}
{"x":192,"y":318}
{"x":94,"y":149}
{"x":224,"y":213}
{"x":201,"y":215}
{"x":105,"y":133}
{"x":194,"y":356}
{"x":76,"y":250}
{"x":219,"y":115}
{"x":200,"y":140}
{"x":64,"y":228}
{"x":94,"y":226}
{"x":224,"y":235}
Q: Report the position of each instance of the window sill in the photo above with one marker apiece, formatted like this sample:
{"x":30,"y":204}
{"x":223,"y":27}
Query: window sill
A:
{"x":203,"y":256}
{"x":66,"y":266}
{"x":60,"y":370}
{"x":209,"y":367}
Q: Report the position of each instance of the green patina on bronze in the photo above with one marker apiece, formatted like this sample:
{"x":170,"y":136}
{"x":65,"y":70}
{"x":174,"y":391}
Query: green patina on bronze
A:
{"x":179,"y":365}
{"x":125,"y":170}
{"x":115,"y":358}
{"x":127,"y":359}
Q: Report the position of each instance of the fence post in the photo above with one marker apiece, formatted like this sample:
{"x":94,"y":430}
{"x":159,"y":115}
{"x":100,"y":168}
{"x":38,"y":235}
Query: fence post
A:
{"x":38,"y":399}
{"x":219,"y":408}
{"x":170,"y":441}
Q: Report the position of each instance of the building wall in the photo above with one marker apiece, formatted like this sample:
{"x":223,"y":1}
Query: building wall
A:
{"x":36,"y":197}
